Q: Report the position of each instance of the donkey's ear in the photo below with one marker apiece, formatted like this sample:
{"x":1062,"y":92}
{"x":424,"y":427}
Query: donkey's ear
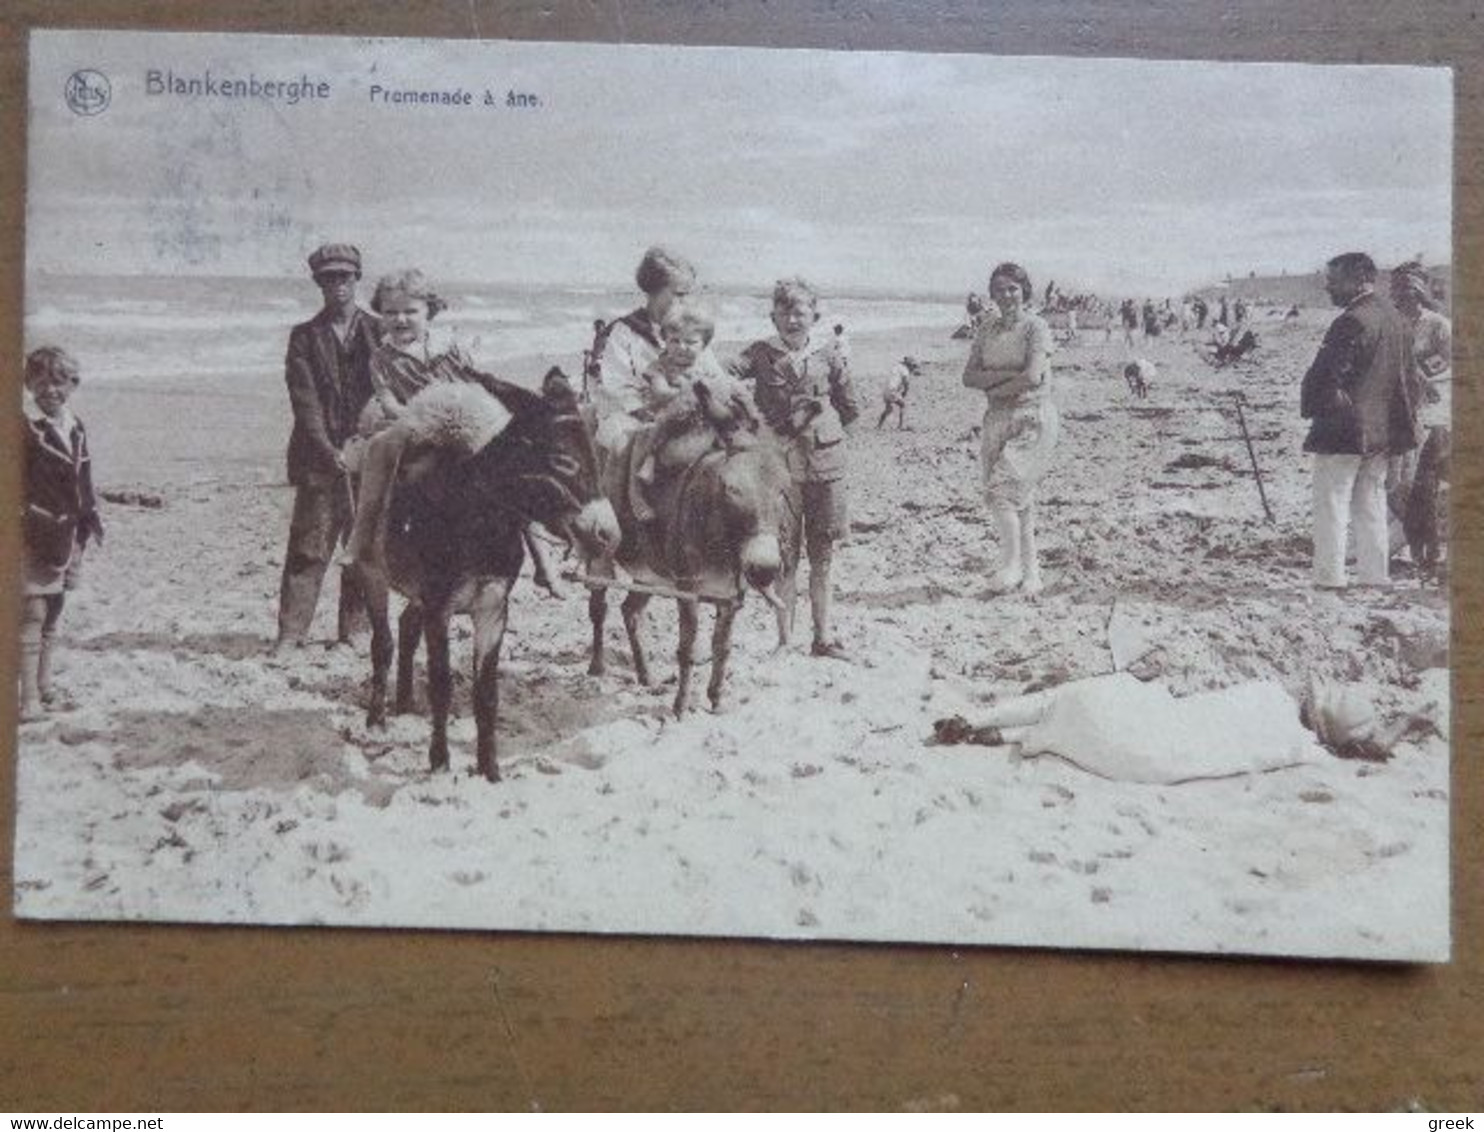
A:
{"x":702,"y":393}
{"x":557,"y":388}
{"x":742,"y":412}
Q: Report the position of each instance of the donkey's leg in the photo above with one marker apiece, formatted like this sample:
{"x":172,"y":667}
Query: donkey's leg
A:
{"x":690,"y":620}
{"x":409,"y":632}
{"x":597,"y":613}
{"x":490,"y":614}
{"x":373,"y":586}
{"x":633,"y":622}
{"x":721,"y":650}
{"x":440,"y":683}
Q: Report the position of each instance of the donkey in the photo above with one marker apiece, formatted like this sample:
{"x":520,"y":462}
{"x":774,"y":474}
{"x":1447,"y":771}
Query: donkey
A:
{"x":716,"y":531}
{"x":452,"y":540}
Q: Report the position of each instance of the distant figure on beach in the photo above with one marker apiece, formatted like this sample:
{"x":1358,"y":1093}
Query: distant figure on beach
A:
{"x":1234,"y":347}
{"x":1151,"y":319}
{"x":793,"y":372}
{"x":1128,"y":313}
{"x":895,"y":391}
{"x":1357,"y":395}
{"x":632,"y":344}
{"x":842,"y":344}
{"x":59,"y":520}
{"x":1010,"y":362}
{"x":974,"y":307}
{"x":1200,"y":310}
{"x":328,"y":373}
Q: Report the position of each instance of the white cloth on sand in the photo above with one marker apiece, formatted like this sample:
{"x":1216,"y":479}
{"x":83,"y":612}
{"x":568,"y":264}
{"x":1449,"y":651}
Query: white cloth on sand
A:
{"x":1120,"y":728}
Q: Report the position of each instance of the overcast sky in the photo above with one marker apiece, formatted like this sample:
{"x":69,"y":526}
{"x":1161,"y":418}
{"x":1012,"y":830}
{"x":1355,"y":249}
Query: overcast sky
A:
{"x":899,"y":172}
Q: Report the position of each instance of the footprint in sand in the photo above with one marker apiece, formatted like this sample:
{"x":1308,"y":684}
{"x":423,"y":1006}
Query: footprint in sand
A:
{"x":804,"y":878}
{"x":353,"y":893}
{"x":326,"y":853}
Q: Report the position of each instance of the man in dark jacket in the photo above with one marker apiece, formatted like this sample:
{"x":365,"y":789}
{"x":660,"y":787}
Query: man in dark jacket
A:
{"x":328,"y":371}
{"x":1356,"y":395}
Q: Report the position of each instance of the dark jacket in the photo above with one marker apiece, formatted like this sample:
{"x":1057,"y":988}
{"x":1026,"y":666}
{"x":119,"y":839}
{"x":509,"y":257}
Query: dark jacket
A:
{"x":327,"y":390}
{"x":1355,"y":391}
{"x":781,"y":389}
{"x":61,"y":510}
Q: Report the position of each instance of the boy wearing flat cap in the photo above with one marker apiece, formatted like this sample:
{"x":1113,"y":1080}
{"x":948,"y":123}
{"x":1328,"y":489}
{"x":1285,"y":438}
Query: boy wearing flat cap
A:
{"x":328,"y":372}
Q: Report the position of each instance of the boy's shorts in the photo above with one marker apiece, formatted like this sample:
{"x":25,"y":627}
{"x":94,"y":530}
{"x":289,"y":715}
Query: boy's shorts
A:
{"x":820,"y":516}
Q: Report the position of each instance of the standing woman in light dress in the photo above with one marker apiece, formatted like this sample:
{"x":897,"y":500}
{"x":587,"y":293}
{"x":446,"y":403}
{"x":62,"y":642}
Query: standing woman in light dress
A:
{"x":1010,"y":362}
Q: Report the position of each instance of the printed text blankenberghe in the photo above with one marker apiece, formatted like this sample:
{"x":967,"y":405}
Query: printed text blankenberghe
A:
{"x":207,"y":85}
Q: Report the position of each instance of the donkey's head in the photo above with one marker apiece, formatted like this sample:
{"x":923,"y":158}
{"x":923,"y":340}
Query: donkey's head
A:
{"x":549,"y":466}
{"x":749,"y":510}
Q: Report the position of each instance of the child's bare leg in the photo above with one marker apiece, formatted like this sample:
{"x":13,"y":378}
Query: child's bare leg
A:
{"x":33,"y":617}
{"x":54,"y":604}
{"x":821,"y":555}
{"x":382,"y":457}
{"x":787,"y":590}
{"x":1012,"y":570}
{"x":543,"y":574}
{"x":1031,"y":582}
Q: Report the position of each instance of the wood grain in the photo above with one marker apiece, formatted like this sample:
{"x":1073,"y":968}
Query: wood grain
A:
{"x":162,"y":1018}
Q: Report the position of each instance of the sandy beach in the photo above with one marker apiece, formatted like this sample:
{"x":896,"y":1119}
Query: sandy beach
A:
{"x":196,"y":778}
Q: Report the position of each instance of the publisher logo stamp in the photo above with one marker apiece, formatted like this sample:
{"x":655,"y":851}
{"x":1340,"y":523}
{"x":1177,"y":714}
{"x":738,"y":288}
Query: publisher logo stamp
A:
{"x":88,"y":92}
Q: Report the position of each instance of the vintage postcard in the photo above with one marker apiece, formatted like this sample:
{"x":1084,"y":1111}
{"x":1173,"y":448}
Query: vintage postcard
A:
{"x":846,"y":496}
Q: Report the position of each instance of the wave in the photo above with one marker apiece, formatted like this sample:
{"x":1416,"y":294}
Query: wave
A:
{"x":175,"y":329}
{"x":57,"y":318}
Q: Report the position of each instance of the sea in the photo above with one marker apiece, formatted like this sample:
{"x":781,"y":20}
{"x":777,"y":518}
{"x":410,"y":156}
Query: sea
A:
{"x":168,"y":330}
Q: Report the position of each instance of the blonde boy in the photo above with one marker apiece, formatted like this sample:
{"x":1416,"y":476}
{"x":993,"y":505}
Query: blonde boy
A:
{"x":802,"y":387}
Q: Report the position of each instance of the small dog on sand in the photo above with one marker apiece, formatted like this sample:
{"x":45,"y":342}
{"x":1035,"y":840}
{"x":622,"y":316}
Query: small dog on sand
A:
{"x":1138,"y":375}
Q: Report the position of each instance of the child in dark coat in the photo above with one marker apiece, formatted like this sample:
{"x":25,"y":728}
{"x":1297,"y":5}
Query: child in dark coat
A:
{"x":60,"y":516}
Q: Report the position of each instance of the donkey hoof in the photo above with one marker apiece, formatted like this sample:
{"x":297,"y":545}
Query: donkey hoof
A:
{"x":376,"y":720}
